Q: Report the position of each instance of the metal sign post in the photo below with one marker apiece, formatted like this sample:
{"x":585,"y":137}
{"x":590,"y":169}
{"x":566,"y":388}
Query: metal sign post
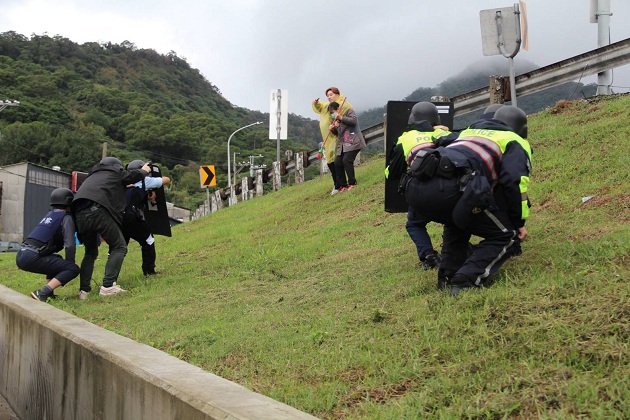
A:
{"x":207,"y":178}
{"x":278,"y":117}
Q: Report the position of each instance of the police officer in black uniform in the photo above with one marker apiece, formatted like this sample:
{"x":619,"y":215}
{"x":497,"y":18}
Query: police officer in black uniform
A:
{"x":477,"y":185}
{"x":424,"y":131}
{"x":39,"y":250}
{"x":135,"y":225}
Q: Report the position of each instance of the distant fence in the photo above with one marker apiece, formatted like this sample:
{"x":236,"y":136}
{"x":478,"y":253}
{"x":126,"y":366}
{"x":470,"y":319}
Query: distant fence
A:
{"x":589,"y":63}
{"x":251,"y":187}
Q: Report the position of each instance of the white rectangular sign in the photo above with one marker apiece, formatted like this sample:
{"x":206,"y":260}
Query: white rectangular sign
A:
{"x":279,"y":107}
{"x":490,"y":30}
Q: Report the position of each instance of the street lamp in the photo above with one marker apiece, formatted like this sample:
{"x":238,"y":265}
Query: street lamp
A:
{"x":228,"y":150}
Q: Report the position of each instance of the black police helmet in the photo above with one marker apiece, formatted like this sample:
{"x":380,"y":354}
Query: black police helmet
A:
{"x":424,"y":111}
{"x":61,"y":197}
{"x":490,"y":111}
{"x":514,"y":117}
{"x":111,"y":161}
{"x":135,"y":164}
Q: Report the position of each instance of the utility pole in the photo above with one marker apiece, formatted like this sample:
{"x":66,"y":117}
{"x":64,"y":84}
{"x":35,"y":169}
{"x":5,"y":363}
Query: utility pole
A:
{"x":600,"y":14}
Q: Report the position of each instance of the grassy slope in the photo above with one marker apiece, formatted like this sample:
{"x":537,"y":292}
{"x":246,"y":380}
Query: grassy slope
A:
{"x":318,"y":301}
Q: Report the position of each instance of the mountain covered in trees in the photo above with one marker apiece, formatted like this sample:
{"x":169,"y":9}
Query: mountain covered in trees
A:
{"x":476,"y":76}
{"x":144,"y":105}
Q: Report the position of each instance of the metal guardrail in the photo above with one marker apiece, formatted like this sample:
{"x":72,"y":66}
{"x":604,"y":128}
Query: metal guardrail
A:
{"x":372,"y":135}
{"x":589,"y":63}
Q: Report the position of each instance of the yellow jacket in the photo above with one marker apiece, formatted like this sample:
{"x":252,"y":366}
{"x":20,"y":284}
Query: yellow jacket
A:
{"x":321,"y":108}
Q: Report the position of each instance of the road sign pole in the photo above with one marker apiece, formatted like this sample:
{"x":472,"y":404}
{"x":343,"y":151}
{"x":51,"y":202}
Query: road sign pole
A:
{"x":208,"y":200}
{"x":278,"y":127}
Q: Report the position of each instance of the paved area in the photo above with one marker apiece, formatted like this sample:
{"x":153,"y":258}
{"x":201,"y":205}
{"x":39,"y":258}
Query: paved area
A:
{"x":5,"y":411}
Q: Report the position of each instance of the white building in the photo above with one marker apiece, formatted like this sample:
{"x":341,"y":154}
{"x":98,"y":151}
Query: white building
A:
{"x":24,"y":197}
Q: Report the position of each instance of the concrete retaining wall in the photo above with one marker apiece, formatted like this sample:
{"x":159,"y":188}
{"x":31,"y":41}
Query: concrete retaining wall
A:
{"x":54,"y":365}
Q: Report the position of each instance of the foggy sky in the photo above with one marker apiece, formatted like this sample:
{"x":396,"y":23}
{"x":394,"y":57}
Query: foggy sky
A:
{"x":374,"y":51}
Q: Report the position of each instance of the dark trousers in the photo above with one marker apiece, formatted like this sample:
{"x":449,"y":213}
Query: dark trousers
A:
{"x":53,"y":266}
{"x":500,"y":239}
{"x":333,"y":173}
{"x":436,"y":199}
{"x":94,"y":223}
{"x":344,"y":166}
{"x":138,"y":230}
{"x":417,"y":229}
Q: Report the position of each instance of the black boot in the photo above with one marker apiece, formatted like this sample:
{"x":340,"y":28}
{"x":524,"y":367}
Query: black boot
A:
{"x":444,"y":277}
{"x":460,"y":282}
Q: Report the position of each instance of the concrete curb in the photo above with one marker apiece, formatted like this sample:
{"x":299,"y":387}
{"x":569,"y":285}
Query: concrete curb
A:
{"x":55,"y":365}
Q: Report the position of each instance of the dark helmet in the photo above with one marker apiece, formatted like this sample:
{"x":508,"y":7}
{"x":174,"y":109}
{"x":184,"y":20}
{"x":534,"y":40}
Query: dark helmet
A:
{"x":61,"y":197}
{"x":424,"y":111}
{"x":490,"y":111}
{"x":111,"y":161}
{"x":513,"y":117}
{"x":135,"y":164}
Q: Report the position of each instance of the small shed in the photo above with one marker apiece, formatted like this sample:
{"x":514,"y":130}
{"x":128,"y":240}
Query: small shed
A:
{"x":25,"y":192}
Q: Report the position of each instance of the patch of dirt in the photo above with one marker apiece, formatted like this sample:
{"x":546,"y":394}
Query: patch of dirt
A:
{"x":562,"y":106}
{"x":618,"y":201}
{"x":380,"y":395}
{"x":354,"y":375}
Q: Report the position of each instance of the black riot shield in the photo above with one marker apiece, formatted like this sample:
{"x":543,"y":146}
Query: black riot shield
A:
{"x":395,"y":125}
{"x":157,"y":214}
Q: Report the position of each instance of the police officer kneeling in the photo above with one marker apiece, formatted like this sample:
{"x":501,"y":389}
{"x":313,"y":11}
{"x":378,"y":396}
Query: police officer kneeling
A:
{"x":54,"y":233}
{"x":477,"y":185}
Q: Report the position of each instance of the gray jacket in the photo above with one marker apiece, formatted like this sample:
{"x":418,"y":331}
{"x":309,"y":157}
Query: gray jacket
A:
{"x":350,"y":136}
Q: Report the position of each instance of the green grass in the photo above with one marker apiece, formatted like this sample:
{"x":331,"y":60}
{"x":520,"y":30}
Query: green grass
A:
{"x":318,"y":301}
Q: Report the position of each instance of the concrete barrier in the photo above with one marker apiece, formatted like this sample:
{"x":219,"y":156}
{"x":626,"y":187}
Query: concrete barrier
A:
{"x":54,"y":365}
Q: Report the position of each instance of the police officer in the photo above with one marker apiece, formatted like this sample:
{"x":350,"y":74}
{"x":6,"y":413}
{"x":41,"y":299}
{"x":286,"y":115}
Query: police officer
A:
{"x":98,"y":209}
{"x":425,"y":129}
{"x":39,"y":250}
{"x":134,"y":223}
{"x":477,"y":185}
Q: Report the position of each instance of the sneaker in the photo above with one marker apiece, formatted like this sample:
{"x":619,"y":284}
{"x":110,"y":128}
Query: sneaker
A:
{"x":343,"y":189}
{"x":37,"y":295}
{"x":83,"y":294}
{"x":334,"y":191}
{"x":151,"y":273}
{"x":351,"y":187}
{"x":114,"y":290}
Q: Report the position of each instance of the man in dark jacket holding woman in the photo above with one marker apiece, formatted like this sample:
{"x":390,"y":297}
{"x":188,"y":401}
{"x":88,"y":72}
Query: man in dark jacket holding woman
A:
{"x":98,"y":210}
{"x":349,"y":144}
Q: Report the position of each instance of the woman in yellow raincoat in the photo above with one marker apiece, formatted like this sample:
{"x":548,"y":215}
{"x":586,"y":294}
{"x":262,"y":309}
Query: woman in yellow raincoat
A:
{"x":325,"y":120}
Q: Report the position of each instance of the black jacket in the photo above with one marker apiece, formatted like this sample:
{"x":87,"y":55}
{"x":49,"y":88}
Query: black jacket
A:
{"x":105,"y":185}
{"x":504,"y":159}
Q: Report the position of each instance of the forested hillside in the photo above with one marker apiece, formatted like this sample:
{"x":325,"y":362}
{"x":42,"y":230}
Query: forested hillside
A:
{"x":74,"y":97}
